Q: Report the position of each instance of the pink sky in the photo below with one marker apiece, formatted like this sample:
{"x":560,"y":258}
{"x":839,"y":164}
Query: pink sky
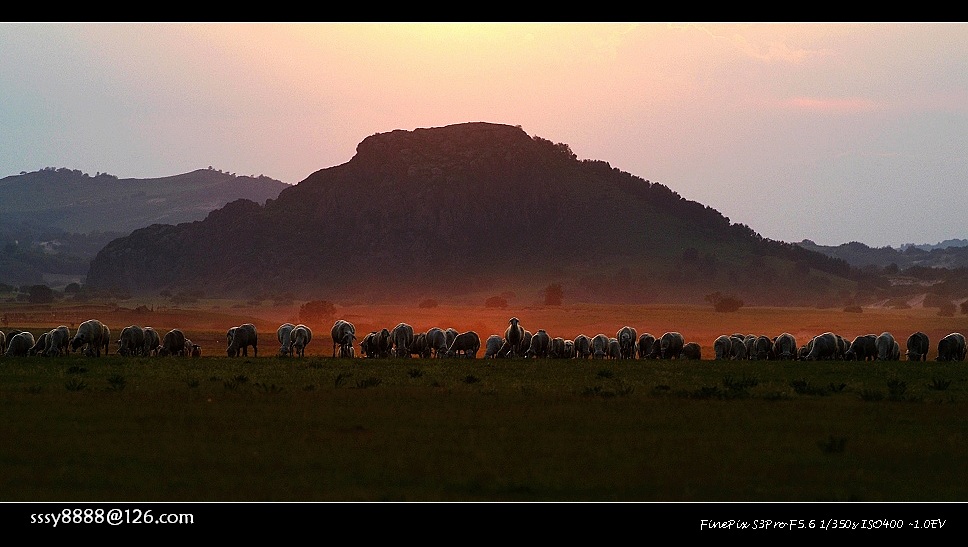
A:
{"x":832,"y":132}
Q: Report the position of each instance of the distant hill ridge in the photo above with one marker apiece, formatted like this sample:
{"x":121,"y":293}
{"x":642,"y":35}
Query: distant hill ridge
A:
{"x":79,"y":203}
{"x":464,"y":208}
{"x":53,"y":221}
{"x":948,"y":254}
{"x":940,"y":245}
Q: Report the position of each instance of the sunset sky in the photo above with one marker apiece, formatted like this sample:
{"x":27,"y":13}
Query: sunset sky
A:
{"x":829,"y":132}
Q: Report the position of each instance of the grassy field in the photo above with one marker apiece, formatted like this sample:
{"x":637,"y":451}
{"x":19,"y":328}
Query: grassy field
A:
{"x":321,"y":429}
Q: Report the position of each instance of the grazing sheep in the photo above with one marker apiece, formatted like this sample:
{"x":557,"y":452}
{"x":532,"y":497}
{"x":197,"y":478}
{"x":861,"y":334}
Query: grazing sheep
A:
{"x":863,"y":348}
{"x":401,"y":336}
{"x":614,"y":349}
{"x":300,"y":337}
{"x":805,"y":349}
{"x":514,"y":335}
{"x":762,"y":348}
{"x":105,"y":338}
{"x":887,"y":347}
{"x":951,"y":347}
{"x":842,"y":346}
{"x":646,"y":346}
{"x":738,"y":350}
{"x":39,"y":345}
{"x":556,"y":350}
{"x":569,"y":349}
{"x":419,"y":346}
{"x":465,"y":344}
{"x":368,"y":345}
{"x":627,"y":341}
{"x":283,"y":334}
{"x":172,"y":343}
{"x":599,"y":346}
{"x":152,"y":342}
{"x":583,"y":346}
{"x":90,"y":335}
{"x":383,"y":343}
{"x":191,"y":349}
{"x":540,"y":344}
{"x":131,"y":341}
{"x":449,"y":334}
{"x":377,"y":344}
{"x":692,"y":350}
{"x":343,"y":334}
{"x":823,"y":347}
{"x":240,"y":339}
{"x":19,"y":344}
{"x":670,"y":345}
{"x":493,"y":345}
{"x":437,"y":341}
{"x":722,"y":347}
{"x":58,"y":341}
{"x":785,"y":347}
{"x":917,"y":347}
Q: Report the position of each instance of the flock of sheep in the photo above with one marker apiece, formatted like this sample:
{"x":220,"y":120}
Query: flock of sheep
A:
{"x":93,"y":336}
{"x":831,"y":346}
{"x":628,"y":344}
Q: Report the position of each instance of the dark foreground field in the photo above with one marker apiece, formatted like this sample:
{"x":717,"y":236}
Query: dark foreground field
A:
{"x":322,"y":429}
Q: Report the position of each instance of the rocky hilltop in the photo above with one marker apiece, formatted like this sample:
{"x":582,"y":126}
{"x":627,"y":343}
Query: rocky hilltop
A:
{"x":466,"y":208}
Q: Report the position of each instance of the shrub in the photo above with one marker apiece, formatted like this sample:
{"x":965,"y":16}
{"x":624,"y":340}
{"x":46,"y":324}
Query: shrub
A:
{"x":496,"y":302}
{"x":428,"y":303}
{"x":853,"y":309}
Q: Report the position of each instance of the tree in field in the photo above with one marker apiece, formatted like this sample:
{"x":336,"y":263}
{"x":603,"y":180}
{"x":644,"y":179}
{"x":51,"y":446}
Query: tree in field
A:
{"x":41,"y":294}
{"x":316,"y":312}
{"x":724,"y":303}
{"x":496,"y":302}
{"x":553,"y":294}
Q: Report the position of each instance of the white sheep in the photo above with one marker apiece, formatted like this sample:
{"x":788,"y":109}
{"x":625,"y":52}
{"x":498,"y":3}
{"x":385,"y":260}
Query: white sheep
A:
{"x":284,"y":335}
{"x":465,"y":344}
{"x":240,"y":338}
{"x":19,"y":344}
{"x":152,"y":342}
{"x":493,"y":346}
{"x":343,"y":333}
{"x":402,"y":337}
{"x":58,"y":341}
{"x":90,"y":335}
{"x":299,"y":338}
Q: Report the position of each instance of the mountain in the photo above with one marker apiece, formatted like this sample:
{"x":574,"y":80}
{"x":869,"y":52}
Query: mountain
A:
{"x":464,"y":210}
{"x":53,"y":221}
